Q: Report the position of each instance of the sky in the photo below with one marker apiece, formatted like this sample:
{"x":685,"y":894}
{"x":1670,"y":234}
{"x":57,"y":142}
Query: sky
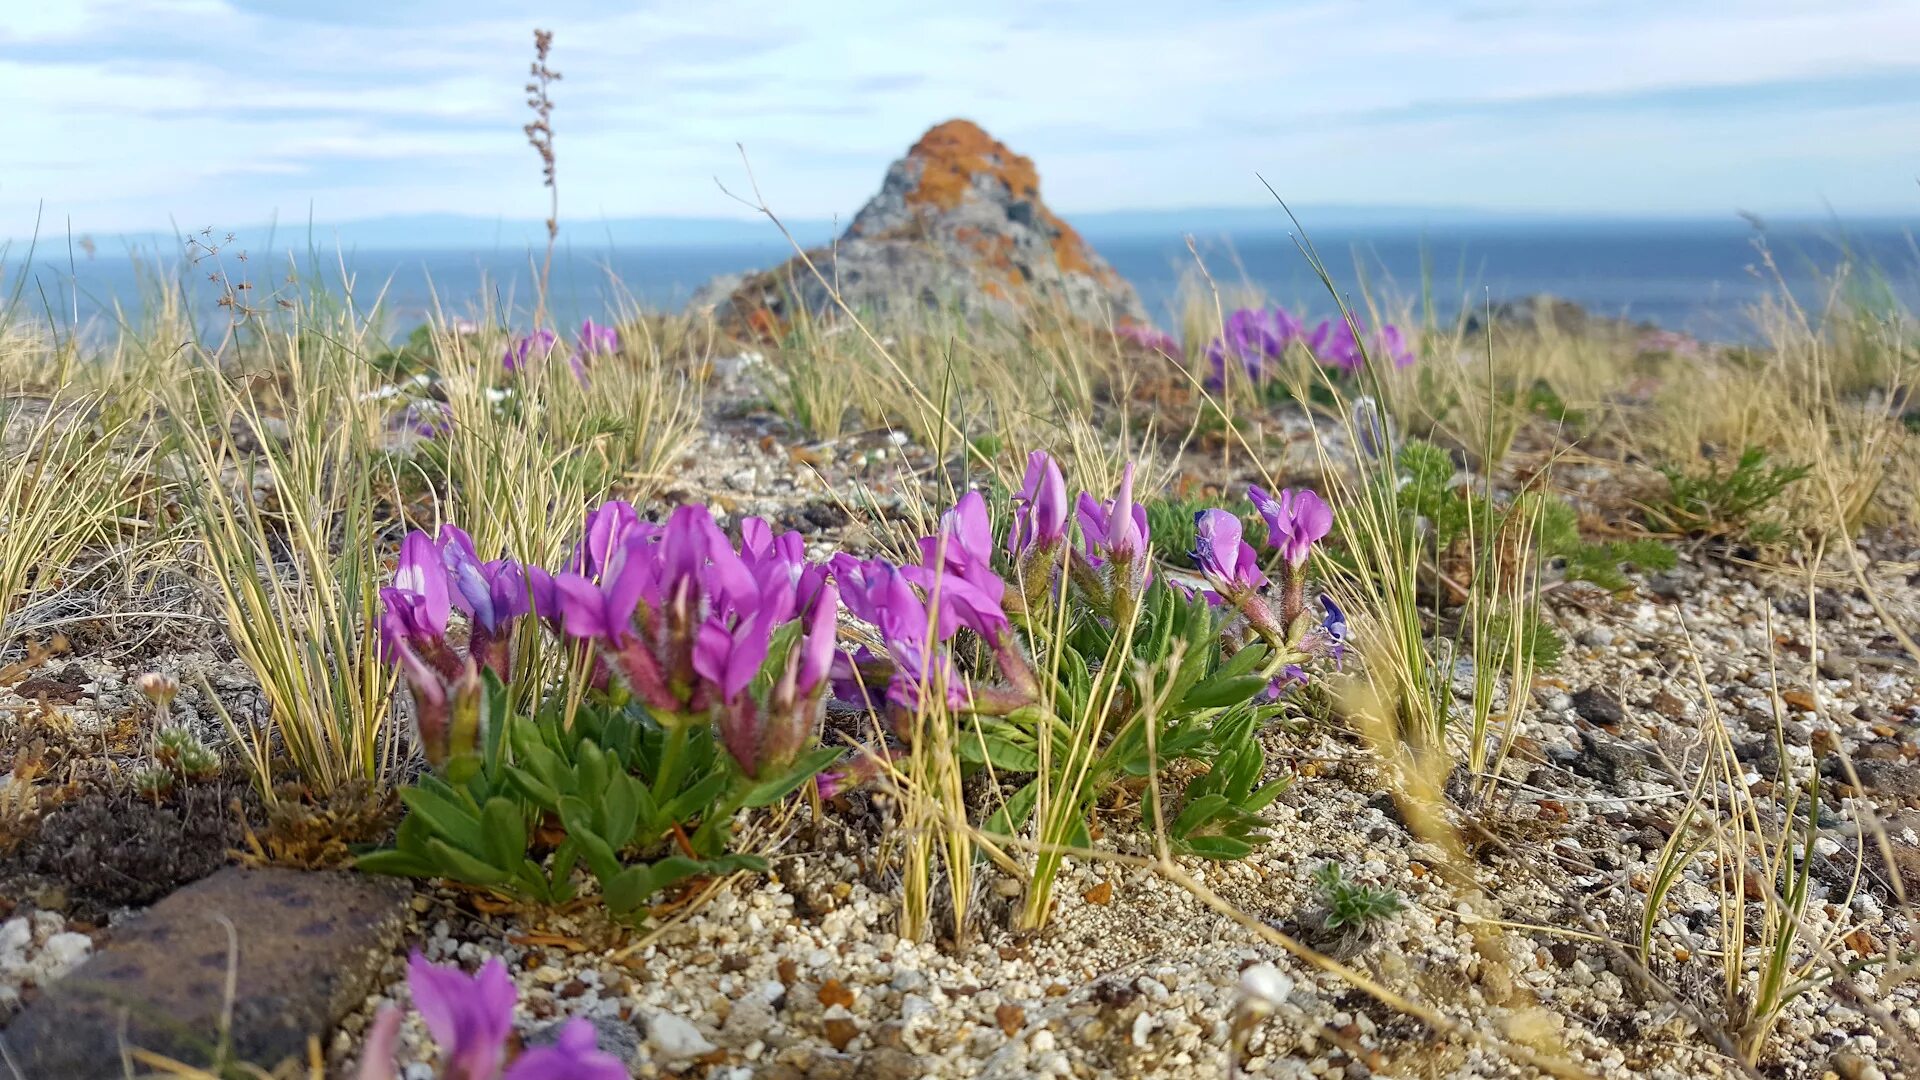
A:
{"x":129,"y":115}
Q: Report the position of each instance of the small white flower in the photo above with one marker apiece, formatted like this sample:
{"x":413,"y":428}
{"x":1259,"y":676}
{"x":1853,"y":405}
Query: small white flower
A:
{"x":1264,"y":987}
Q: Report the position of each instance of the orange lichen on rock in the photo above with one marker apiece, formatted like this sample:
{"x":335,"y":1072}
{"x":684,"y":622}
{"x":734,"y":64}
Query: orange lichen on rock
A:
{"x":952,"y":154}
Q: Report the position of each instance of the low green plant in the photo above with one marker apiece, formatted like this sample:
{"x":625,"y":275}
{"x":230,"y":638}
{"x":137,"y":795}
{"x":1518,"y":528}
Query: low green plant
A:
{"x":606,"y":789}
{"x":1726,"y":502}
{"x":1351,"y":906}
{"x":179,"y":749}
{"x":1194,"y":703}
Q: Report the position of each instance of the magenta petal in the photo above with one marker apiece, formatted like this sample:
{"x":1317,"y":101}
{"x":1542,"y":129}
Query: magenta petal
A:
{"x":576,"y":1055}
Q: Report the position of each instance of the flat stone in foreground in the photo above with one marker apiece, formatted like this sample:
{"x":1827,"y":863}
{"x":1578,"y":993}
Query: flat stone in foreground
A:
{"x":309,"y":946}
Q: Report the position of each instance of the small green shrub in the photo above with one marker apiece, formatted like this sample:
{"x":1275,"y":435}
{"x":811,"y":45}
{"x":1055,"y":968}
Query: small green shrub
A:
{"x":1726,"y":502}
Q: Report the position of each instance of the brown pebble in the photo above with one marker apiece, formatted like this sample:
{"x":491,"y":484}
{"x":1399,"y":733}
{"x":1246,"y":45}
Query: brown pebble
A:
{"x":1011,"y":1019}
{"x":840,"y":1031}
{"x":834,"y":992}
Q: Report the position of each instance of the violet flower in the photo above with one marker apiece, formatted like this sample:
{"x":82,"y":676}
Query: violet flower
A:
{"x":1254,"y":338}
{"x":1115,"y":537}
{"x":1039,"y":508}
{"x":880,"y":593}
{"x":604,"y":539}
{"x":491,"y":594}
{"x":1290,"y":676}
{"x":1332,"y":343}
{"x":1334,"y":629}
{"x":1294,"y":522}
{"x":764,"y":734}
{"x":383,"y":1041}
{"x":597,"y":340}
{"x":1229,"y":563}
{"x":956,"y":572}
{"x":418,"y":603}
{"x":470,"y":1017}
{"x":575,"y":1055}
{"x":529,"y":347}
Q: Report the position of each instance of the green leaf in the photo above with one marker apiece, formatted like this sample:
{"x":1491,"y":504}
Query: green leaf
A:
{"x":1013,"y":816}
{"x":1264,"y":797}
{"x":1199,"y":813}
{"x":620,"y":809}
{"x":394,"y":862}
{"x":505,"y":827}
{"x":1218,"y":692}
{"x":1223,"y":848}
{"x":627,"y":890}
{"x":590,"y":771}
{"x":533,"y":789}
{"x":601,"y":857}
{"x":447,"y":819}
{"x":768,"y":792}
{"x":675,"y":869}
{"x":451,"y":862}
{"x":696,"y":800}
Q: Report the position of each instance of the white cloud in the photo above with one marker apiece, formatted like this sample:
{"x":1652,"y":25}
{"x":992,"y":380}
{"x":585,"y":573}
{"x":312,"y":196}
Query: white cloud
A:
{"x":142,"y":108}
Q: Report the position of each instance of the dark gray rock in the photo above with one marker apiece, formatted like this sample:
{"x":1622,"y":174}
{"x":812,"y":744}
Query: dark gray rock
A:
{"x":305,"y":949}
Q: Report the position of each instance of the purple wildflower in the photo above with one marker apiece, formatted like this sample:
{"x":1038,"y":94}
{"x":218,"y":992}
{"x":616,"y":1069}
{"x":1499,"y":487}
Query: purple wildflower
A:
{"x":1115,"y":536}
{"x":597,"y":340}
{"x":1229,"y":563}
{"x":1290,"y":676}
{"x":1253,"y":338}
{"x":608,"y":527}
{"x":575,"y":1055}
{"x":418,"y":603}
{"x":1039,"y":508}
{"x":1294,"y":521}
{"x":383,"y":1040}
{"x":1332,"y":342}
{"x":765,"y":734}
{"x":470,"y":1017}
{"x":528,"y":348}
{"x":1334,"y":628}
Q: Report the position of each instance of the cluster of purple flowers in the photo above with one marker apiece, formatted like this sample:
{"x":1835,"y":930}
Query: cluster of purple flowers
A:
{"x":682,"y":619}
{"x":1257,"y":338}
{"x":687,"y":621}
{"x":471,"y":1019}
{"x":592,"y":341}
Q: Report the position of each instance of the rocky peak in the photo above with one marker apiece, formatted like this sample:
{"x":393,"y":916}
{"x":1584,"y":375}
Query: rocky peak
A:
{"x":958,"y":221}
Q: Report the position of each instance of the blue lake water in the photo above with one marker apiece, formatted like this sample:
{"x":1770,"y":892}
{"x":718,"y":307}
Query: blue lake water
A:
{"x":1702,"y":277}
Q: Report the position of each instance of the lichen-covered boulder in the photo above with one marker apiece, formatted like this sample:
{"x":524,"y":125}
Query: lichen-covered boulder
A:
{"x":958,"y":223}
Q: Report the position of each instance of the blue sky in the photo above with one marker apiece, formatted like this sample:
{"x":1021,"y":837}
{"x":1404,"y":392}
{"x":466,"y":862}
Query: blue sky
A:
{"x":126,"y":114}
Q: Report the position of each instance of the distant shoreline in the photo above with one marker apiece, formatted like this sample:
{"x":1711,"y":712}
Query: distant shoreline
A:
{"x":1694,"y":276}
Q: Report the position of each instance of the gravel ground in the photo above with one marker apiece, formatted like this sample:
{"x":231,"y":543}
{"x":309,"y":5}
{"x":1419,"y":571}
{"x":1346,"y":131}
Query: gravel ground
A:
{"x":800,"y":973}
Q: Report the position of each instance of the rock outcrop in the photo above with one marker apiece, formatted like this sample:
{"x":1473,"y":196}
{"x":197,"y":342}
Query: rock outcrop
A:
{"x":958,"y":222}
